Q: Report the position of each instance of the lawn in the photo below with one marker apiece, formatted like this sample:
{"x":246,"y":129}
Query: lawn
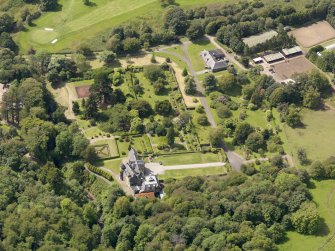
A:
{"x":110,"y":146}
{"x":178,"y":174}
{"x":113,"y":164}
{"x":187,"y":158}
{"x":324,"y":196}
{"x":194,"y":51}
{"x":317,"y":136}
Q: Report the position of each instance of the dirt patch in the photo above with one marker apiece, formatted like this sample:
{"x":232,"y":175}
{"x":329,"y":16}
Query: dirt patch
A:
{"x":83,"y":91}
{"x":286,"y":69}
{"x":140,"y":60}
{"x":314,"y":34}
{"x":189,"y":100}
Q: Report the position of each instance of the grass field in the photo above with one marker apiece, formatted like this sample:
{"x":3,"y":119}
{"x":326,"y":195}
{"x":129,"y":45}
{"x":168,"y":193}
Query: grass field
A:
{"x":76,"y":22}
{"x":324,"y":196}
{"x":178,"y":174}
{"x":188,"y":158}
{"x":317,"y":136}
{"x":113,"y":165}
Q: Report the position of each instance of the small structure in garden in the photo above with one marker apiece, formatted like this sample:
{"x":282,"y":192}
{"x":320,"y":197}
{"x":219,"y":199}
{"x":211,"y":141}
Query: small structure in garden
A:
{"x":215,"y":60}
{"x":138,"y":177}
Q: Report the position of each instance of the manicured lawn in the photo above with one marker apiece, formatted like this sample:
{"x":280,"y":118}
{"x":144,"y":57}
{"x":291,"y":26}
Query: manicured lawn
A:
{"x":178,"y":174}
{"x":194,"y":51}
{"x":112,"y":146}
{"x":113,"y":164}
{"x":324,"y":196}
{"x":188,"y":158}
{"x":123,"y":147}
{"x":317,"y":136}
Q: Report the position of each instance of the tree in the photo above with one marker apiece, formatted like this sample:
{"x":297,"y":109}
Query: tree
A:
{"x":302,"y":156}
{"x":312,"y":98}
{"x":143,"y":107}
{"x":190,"y":87}
{"x":176,"y":20}
{"x":170,"y":136}
{"x":108,"y":57}
{"x":202,"y":120}
{"x":293,"y":118}
{"x":91,"y":107}
{"x":137,"y":126}
{"x":306,"y":220}
{"x":48,"y":5}
{"x":255,"y":141}
{"x":209,"y":83}
{"x":242,"y":132}
{"x":185,"y":73}
{"x":227,"y":82}
{"x":131,"y":44}
{"x":216,"y":137}
{"x":223,"y":111}
{"x":196,"y":30}
{"x":163,"y":107}
{"x":114,"y":44}
{"x":165,"y":3}
{"x":278,"y":96}
{"x":6,"y":23}
{"x":317,"y":170}
{"x":75,"y":108}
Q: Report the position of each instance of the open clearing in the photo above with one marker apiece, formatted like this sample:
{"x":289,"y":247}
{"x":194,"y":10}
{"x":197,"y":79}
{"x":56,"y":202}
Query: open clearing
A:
{"x":314,"y":34}
{"x":79,"y":89}
{"x":181,"y":173}
{"x":291,"y":66}
{"x":258,"y":39}
{"x":324,"y":196}
{"x":317,"y":136}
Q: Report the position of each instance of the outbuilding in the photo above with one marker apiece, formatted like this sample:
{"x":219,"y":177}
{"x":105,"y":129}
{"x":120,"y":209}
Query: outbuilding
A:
{"x":258,"y":60}
{"x":275,"y":57}
{"x":291,"y":52}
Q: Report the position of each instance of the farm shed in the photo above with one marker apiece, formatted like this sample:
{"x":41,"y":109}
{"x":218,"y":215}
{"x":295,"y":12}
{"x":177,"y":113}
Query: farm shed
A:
{"x":260,"y":38}
{"x":291,"y":52}
{"x":258,"y":60}
{"x":330,"y":47}
{"x":275,"y":57}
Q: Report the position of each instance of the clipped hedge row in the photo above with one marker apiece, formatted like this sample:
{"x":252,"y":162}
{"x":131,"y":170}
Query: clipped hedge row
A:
{"x":99,"y":171}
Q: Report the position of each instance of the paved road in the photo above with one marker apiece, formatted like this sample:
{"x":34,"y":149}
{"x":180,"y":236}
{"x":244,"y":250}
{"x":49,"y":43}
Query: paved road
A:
{"x":229,"y":56}
{"x":160,"y":169}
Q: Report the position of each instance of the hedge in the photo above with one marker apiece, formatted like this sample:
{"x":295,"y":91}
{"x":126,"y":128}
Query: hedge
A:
{"x":99,"y":171}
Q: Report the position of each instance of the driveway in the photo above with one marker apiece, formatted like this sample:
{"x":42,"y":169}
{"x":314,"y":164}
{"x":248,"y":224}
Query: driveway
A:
{"x":156,"y":168}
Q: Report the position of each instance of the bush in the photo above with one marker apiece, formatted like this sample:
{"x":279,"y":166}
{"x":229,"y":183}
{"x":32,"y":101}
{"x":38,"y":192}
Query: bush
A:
{"x":99,"y":171}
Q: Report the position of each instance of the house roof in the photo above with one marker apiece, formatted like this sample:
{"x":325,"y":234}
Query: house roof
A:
{"x":273,"y":57}
{"x":214,"y":59}
{"x":291,"y":51}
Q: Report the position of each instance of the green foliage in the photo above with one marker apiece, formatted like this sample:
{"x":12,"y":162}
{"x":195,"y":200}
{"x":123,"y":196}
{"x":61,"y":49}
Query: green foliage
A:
{"x":99,"y":171}
{"x":306,"y":220}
